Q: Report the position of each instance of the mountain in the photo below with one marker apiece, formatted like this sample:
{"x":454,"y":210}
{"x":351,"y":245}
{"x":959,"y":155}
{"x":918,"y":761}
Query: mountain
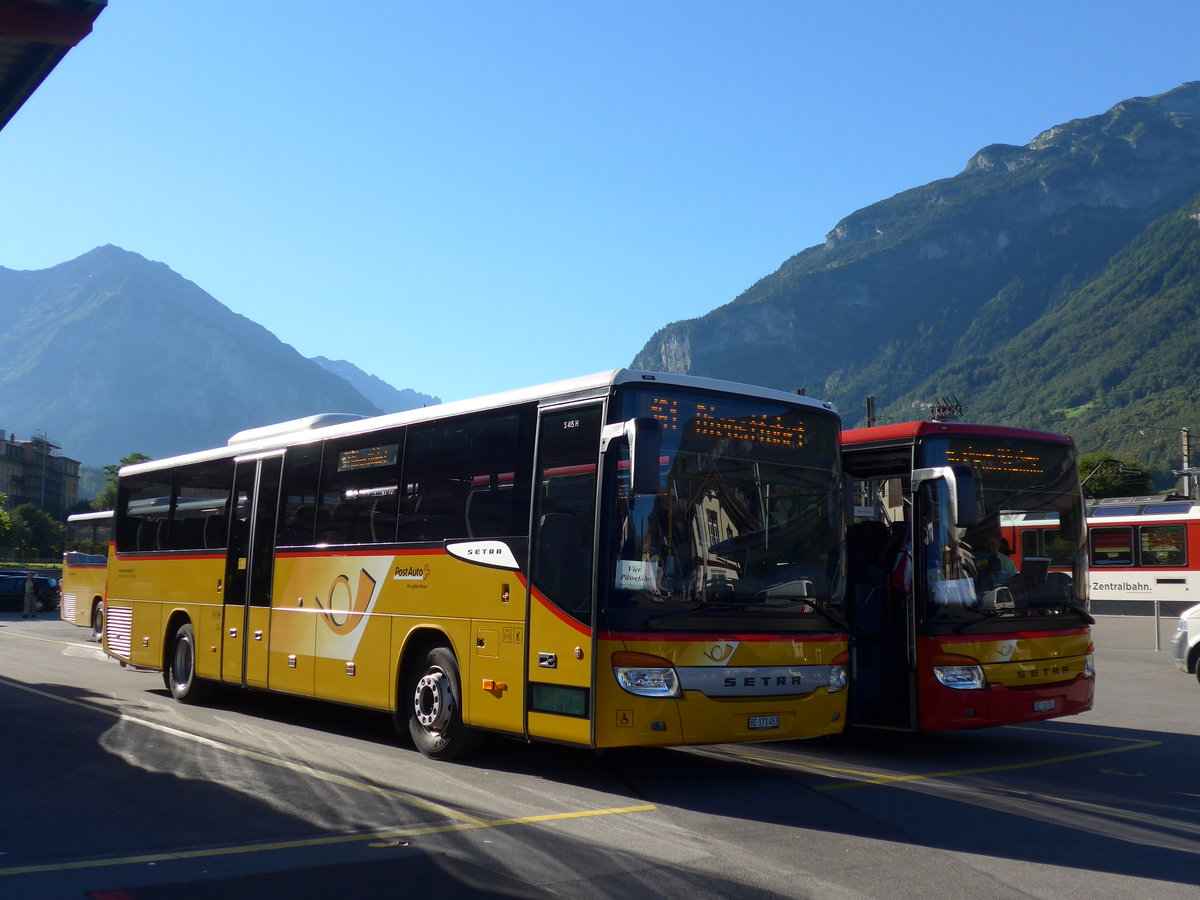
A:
{"x":375,"y":389}
{"x":111,"y":353}
{"x":1051,"y":285}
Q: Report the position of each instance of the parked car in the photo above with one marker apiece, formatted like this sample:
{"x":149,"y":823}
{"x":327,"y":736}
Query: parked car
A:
{"x":1185,"y":646}
{"x":12,"y":591}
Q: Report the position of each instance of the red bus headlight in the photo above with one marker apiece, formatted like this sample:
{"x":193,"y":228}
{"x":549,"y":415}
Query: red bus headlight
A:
{"x":962,"y":673}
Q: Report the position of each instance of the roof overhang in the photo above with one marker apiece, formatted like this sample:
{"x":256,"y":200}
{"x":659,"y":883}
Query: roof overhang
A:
{"x":34,"y":37}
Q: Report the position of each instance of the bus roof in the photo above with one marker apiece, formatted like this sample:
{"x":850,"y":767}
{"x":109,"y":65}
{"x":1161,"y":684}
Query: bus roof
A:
{"x":909,"y":432}
{"x":269,"y":437}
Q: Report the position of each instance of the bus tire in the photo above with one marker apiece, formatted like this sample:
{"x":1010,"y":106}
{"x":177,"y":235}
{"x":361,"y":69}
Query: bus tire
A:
{"x":180,"y":672}
{"x":98,"y":622}
{"x":432,"y":697}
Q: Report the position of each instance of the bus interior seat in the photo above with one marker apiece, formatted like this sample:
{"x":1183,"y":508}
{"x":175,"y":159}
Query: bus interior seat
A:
{"x":489,"y":513}
{"x":216,"y":532}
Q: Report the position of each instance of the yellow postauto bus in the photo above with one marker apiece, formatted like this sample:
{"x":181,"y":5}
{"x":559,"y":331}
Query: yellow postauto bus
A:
{"x":85,"y":570}
{"x":624,"y":559}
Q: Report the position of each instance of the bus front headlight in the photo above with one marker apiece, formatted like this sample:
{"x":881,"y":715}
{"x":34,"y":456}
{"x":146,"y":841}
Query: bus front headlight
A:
{"x":645,"y":675}
{"x":961,"y":678}
{"x":962,"y":673}
{"x":839,"y":673}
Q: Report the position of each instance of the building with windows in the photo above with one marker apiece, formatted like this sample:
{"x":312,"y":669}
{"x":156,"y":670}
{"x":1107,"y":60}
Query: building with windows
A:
{"x":34,"y":471}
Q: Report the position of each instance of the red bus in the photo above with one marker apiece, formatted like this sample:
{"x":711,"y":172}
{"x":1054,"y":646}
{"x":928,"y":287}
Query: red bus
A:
{"x":952,"y":627}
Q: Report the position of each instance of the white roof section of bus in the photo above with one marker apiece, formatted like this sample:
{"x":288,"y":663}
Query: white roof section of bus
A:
{"x":268,"y":438}
{"x":87,"y":516}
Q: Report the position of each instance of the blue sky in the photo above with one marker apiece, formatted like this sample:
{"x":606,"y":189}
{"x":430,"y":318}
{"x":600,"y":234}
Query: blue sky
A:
{"x":464,"y":197}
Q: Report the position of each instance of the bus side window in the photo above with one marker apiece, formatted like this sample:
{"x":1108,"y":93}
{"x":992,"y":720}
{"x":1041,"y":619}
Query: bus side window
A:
{"x":467,"y":477}
{"x":203,"y":494}
{"x":298,"y":499}
{"x":144,"y":501}
{"x":359,"y":487}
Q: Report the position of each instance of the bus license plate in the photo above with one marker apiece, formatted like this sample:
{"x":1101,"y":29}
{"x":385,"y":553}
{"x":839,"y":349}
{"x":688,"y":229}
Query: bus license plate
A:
{"x":759,"y":723}
{"x":1043,"y":705}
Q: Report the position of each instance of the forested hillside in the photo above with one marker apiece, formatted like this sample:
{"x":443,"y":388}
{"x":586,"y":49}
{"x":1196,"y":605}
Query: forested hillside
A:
{"x":1051,"y":285}
{"x":1116,"y":364}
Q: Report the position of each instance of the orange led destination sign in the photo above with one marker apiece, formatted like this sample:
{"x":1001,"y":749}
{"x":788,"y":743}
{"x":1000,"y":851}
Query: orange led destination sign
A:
{"x":996,"y":458}
{"x":367,"y":458}
{"x":704,"y":419}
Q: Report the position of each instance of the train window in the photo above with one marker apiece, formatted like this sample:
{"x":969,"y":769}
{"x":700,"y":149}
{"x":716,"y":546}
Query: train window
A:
{"x":1168,"y":509}
{"x":1163,"y":545}
{"x":1111,"y":546}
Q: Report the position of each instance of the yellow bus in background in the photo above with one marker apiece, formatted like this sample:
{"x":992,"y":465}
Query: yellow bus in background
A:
{"x":624,"y":559}
{"x":85,"y":570}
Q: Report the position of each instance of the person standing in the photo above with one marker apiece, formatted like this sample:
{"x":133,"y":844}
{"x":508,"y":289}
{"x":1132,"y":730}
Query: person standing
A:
{"x":30,"y":598}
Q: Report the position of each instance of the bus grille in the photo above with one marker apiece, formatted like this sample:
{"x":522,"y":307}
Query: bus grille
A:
{"x":68,"y":607}
{"x":118,"y":629}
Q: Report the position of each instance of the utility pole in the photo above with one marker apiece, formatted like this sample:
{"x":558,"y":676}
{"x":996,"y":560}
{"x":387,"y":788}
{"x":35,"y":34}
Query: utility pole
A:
{"x":871,"y":411}
{"x":1187,"y":472}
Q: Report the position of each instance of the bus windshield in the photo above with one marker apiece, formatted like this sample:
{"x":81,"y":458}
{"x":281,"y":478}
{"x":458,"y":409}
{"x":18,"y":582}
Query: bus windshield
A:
{"x":984,"y":570}
{"x":744,"y":528}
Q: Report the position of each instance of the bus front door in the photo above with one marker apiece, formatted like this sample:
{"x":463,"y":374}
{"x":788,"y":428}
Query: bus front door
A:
{"x":883,"y":627}
{"x":249,"y":569}
{"x":560,"y":638}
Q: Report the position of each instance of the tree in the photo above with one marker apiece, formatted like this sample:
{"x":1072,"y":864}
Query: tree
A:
{"x":107,"y":498}
{"x":5,"y":524}
{"x":1106,"y":476}
{"x":38,"y":533}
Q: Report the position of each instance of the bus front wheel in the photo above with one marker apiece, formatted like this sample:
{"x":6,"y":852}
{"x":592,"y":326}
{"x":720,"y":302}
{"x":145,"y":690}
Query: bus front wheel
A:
{"x":434,"y":703}
{"x":180,"y":673}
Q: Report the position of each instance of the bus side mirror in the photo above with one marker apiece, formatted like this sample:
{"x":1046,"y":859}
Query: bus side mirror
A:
{"x":644,"y":436}
{"x":645,"y":448}
{"x":964,"y":501}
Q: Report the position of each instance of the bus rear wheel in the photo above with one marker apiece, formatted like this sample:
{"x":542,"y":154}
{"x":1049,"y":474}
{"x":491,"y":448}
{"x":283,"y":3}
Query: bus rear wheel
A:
{"x":433,"y":699}
{"x":98,"y":622}
{"x":180,"y":672}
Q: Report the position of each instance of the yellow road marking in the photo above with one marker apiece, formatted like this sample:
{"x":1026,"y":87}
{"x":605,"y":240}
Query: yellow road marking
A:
{"x":390,"y":834}
{"x":461,"y":821}
{"x":868,"y":779}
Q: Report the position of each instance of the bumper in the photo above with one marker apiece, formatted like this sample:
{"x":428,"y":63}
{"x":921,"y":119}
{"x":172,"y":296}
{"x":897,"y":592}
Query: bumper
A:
{"x":943,"y":708}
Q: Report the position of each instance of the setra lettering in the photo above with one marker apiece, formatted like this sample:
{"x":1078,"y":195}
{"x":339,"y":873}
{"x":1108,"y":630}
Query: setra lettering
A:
{"x":1044,"y":671}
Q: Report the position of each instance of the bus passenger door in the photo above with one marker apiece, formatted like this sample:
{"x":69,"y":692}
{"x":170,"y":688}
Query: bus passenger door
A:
{"x":559,"y":635}
{"x":880,"y":567}
{"x":249,"y":569}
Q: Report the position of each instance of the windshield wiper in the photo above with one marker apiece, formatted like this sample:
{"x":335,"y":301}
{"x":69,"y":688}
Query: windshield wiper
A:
{"x":684,"y":613}
{"x":840,"y":623}
{"x":988,"y":615}
{"x":806,"y":606}
{"x":1069,"y":606}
